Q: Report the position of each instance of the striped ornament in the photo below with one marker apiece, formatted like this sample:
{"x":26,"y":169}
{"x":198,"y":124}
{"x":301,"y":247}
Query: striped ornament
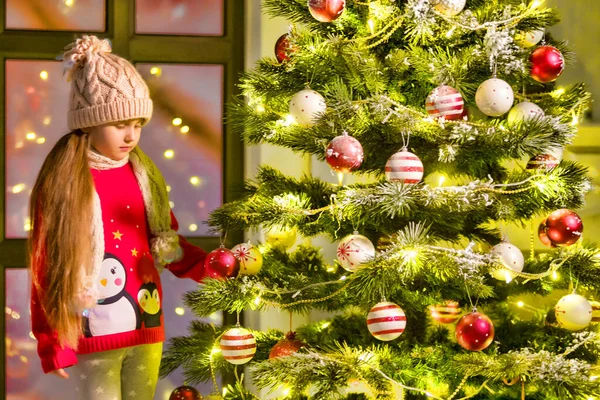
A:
{"x":404,"y":167}
{"x":238,"y":345}
{"x":446,"y":313}
{"x":446,"y":102}
{"x":543,"y":161}
{"x":595,"y":312}
{"x":386,"y":321}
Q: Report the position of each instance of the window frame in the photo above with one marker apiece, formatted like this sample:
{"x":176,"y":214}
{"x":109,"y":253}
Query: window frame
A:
{"x":226,"y":50}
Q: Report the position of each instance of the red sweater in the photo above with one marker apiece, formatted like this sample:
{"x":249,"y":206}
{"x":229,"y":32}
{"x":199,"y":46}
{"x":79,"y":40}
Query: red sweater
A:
{"x":129,"y":311}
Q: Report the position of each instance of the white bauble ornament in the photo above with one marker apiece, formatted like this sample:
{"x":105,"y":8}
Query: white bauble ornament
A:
{"x":530,"y":38}
{"x":494,"y":97}
{"x":450,"y":7}
{"x":511,"y":257}
{"x":238,"y":345}
{"x":386,"y":321}
{"x":404,"y":167}
{"x":355,"y":250}
{"x":573,"y":312}
{"x":306,"y":107}
{"x":249,"y":257}
{"x":524,"y":111}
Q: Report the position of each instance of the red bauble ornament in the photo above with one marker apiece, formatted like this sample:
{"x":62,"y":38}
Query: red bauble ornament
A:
{"x":474,"y":331}
{"x":547,"y":63}
{"x":445,"y":102}
{"x":344,"y":153}
{"x":185,"y":393}
{"x":283,"y":48}
{"x":542,"y":235}
{"x":287,"y":346}
{"x":564,"y":227}
{"x":221,"y":263}
{"x":326,"y":10}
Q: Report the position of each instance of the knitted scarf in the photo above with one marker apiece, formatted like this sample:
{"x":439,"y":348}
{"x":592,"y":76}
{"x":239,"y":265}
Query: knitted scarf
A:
{"x":164,"y":244}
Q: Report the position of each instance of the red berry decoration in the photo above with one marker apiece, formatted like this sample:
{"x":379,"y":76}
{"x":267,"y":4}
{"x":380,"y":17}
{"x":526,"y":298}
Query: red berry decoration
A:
{"x":563,"y":227}
{"x":542,"y":234}
{"x":326,"y":10}
{"x":287,"y":346}
{"x":344,"y":153}
{"x":283,"y":48}
{"x":474,"y":331}
{"x":547,"y":63}
{"x":221,"y":263}
{"x":185,"y":393}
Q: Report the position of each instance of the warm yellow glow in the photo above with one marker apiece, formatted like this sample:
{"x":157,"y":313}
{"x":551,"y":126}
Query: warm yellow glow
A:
{"x":41,"y":140}
{"x":536,"y":4}
{"x":196,"y":181}
{"x":193,"y":227}
{"x":343,"y":278}
{"x":15,"y":315}
{"x":331,"y":268}
{"x":215,"y":350}
{"x":508,"y":276}
{"x":410,"y":256}
{"x":179,"y":311}
{"x":575,"y":120}
{"x":257,"y":300}
{"x":169,"y":154}
{"x":325,"y":324}
{"x":286,"y":391}
{"x":558,"y":92}
{"x":441,"y":180}
{"x":184,"y":129}
{"x":224,"y":391}
{"x":260,"y":108}
{"x":27,"y":224}
{"x":44,"y":75}
{"x":555,"y":276}
{"x":18,"y":188}
{"x":340,"y":176}
{"x":30,"y":136}
{"x":31,"y":335}
{"x":47,"y":120}
{"x":450,"y":32}
{"x":520,"y":304}
{"x":371,"y":25}
{"x":156,"y":71}
{"x":171,"y":204}
{"x":214,"y":316}
{"x":288,"y":120}
{"x":168,"y":188}
{"x":69,"y":3}
{"x":177,"y":121}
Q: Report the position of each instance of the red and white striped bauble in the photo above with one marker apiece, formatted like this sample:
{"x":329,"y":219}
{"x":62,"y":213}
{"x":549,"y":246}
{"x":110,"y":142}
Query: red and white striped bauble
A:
{"x":595,"y":312}
{"x":404,"y":167}
{"x":446,"y":313}
{"x":445,"y":102}
{"x":238,"y":345}
{"x":386,"y":321}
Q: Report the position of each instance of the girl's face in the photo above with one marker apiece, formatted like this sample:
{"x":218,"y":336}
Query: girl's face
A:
{"x":116,"y":139}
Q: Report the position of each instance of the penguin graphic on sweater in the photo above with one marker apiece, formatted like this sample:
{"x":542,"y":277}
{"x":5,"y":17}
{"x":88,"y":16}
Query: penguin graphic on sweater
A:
{"x":115,"y":311}
{"x":149,"y":300}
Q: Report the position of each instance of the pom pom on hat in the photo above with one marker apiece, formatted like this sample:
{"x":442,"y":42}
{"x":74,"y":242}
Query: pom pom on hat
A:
{"x":81,"y":50}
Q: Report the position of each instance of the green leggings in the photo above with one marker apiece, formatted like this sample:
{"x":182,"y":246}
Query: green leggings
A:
{"x":124,"y":374}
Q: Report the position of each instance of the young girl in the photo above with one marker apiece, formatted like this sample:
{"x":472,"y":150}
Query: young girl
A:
{"x":102,"y":231}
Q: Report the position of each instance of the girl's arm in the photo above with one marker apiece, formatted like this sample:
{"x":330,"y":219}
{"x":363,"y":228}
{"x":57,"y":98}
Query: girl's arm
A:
{"x":52,"y":354}
{"x":192,"y":264}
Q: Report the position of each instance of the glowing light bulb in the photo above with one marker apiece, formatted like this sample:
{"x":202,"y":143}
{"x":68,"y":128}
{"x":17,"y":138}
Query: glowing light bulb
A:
{"x":41,"y":140}
{"x":257,"y":300}
{"x":47,"y":120}
{"x":196,"y":181}
{"x":520,"y":304}
{"x":179,"y":311}
{"x":30,"y":136}
{"x":169,"y":154}
{"x":536,"y":4}
{"x":184,"y":129}
{"x":156,"y":71}
{"x":18,"y":188}
{"x":177,"y":121}
{"x":371,"y":25}
{"x":168,"y":188}
{"x":44,"y":75}
{"x":69,"y":3}
{"x":193,"y":227}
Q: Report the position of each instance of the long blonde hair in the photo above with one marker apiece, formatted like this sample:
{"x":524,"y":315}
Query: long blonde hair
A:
{"x":61,"y":209}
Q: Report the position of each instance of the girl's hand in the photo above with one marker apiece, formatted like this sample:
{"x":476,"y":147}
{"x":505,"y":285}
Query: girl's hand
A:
{"x":61,"y":373}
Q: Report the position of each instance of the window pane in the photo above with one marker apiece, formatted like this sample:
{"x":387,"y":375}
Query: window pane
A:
{"x":56,"y":15}
{"x":36,"y":117}
{"x":179,"y":17}
{"x":24,"y":376}
{"x":184,"y":138}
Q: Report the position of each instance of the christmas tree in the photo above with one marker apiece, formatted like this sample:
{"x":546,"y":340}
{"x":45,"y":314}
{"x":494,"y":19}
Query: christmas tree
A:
{"x":450,"y":108}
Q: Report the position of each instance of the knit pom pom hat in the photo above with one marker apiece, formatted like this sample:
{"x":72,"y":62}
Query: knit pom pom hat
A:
{"x":104,"y":87}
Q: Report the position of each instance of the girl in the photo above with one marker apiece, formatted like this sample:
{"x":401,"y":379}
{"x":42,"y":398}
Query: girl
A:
{"x":102,"y":231}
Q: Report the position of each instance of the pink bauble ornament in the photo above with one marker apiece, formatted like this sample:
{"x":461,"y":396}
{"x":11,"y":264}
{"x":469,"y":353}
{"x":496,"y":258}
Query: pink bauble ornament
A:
{"x":306,"y":107}
{"x":547,"y":63}
{"x":249,"y":257}
{"x":404,"y":167}
{"x":474,"y":331}
{"x":573,"y":312}
{"x":221,"y":263}
{"x":386,"y":321}
{"x":344,"y":153}
{"x":283,"y":48}
{"x":355,"y":250}
{"x":446,"y":313}
{"x":494,"y":97}
{"x":237,"y":345}
{"x":326,"y":10}
{"x":564,"y":227}
{"x":446,"y":102}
